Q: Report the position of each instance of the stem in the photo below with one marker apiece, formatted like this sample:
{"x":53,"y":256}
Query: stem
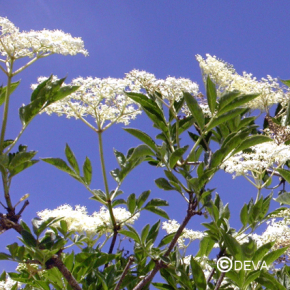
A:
{"x":6,"y":191}
{"x":220,"y":280}
{"x":130,"y":261}
{"x":105,"y":179}
{"x":6,"y":106}
{"x":159,"y":264}
{"x":16,"y":139}
{"x":258,"y":195}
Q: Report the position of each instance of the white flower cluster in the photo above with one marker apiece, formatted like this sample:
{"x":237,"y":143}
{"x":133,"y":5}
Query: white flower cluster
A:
{"x":171,"y":88}
{"x":79,"y":221}
{"x":227,"y":79}
{"x":263,"y":156}
{"x":172,"y":226}
{"x":16,"y":44}
{"x":8,"y":284}
{"x":102,"y":99}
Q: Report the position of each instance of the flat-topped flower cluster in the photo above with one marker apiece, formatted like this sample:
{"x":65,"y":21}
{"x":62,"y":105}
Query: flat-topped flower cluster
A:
{"x":227,"y":79}
{"x":79,"y":221}
{"x":15,"y":44}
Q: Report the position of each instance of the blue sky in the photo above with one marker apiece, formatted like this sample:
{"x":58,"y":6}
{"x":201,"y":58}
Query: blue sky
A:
{"x":161,"y":37}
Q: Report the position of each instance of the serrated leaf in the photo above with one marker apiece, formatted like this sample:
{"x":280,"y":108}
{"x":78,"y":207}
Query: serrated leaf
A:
{"x":22,"y":167}
{"x":142,"y":136}
{"x":233,"y":246}
{"x":166,"y":240}
{"x":158,"y":211}
{"x":176,"y":155}
{"x":60,"y":164}
{"x":13,"y":86}
{"x":88,"y":171}
{"x":244,"y":215}
{"x":163,"y":184}
{"x":252,"y":141}
{"x":238,"y":102}
{"x":198,"y":275}
{"x":72,"y":159}
{"x":21,"y":157}
{"x":142,"y":198}
{"x":225,"y":117}
{"x":28,"y":238}
{"x":194,"y":109}
{"x":131,"y":203}
{"x":157,"y":202}
{"x":211,"y":94}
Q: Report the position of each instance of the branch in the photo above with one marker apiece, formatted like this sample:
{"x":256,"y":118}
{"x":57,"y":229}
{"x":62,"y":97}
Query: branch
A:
{"x":130,"y":261}
{"x":159,"y":264}
{"x":57,"y":262}
{"x":112,"y":244}
{"x":220,"y":280}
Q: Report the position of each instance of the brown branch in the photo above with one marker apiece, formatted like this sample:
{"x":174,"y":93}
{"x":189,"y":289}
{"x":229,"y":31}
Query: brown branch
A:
{"x":210,"y":275}
{"x":26,"y":203}
{"x":9,"y":222}
{"x":57,"y":262}
{"x":159,"y":264}
{"x":130,"y":261}
{"x":112,"y":244}
{"x":220,"y":280}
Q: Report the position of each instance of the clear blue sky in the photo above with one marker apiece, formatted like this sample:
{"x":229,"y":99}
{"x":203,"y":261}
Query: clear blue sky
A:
{"x":161,"y":37}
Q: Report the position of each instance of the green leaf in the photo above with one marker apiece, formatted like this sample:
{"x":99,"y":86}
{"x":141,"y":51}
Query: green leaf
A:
{"x":152,"y":235}
{"x":286,"y":82}
{"x":252,"y":141}
{"x":88,"y":171}
{"x":284,"y":173}
{"x":205,"y":246}
{"x":176,"y":155}
{"x":195,"y":109}
{"x":141,"y":151}
{"x":121,"y":159}
{"x":144,"y":233}
{"x":28,"y":238}
{"x":166,"y":240}
{"x":13,"y":86}
{"x":4,"y":256}
{"x":131,"y":203}
{"x":225,"y":117}
{"x":238,"y":102}
{"x":22,"y":167}
{"x":211,"y":94}
{"x":60,"y":164}
{"x":142,"y":198}
{"x":252,"y":276}
{"x":157,"y":202}
{"x":244,"y":215}
{"x":158,"y":211}
{"x":198,"y":275}
{"x":143,"y":137}
{"x":269,"y":281}
{"x":274,"y":255}
{"x":21,"y":157}
{"x":261,"y":252}
{"x":162,"y":286}
{"x":164,"y":184}
{"x":227,"y":98}
{"x":72,"y":159}
{"x":233,"y":246}
{"x":118,"y":202}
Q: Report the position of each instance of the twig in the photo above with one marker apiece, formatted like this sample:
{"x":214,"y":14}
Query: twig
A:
{"x":26,"y":203}
{"x":210,"y":275}
{"x":112,"y":244}
{"x":130,"y":261}
{"x":220,"y":280}
{"x":159,"y":264}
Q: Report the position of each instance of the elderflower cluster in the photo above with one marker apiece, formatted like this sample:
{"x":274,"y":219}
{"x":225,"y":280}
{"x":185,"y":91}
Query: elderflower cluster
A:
{"x":8,"y":284}
{"x":171,"y":226}
{"x":261,"y":157}
{"x":171,"y":88}
{"x":103,"y":99}
{"x":227,"y":79}
{"x":79,"y":221}
{"x":203,"y":262}
{"x":16,"y":44}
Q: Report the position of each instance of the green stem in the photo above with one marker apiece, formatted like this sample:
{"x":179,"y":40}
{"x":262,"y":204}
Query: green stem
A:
{"x":6,"y":106}
{"x":109,"y":204}
{"x":6,"y":191}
